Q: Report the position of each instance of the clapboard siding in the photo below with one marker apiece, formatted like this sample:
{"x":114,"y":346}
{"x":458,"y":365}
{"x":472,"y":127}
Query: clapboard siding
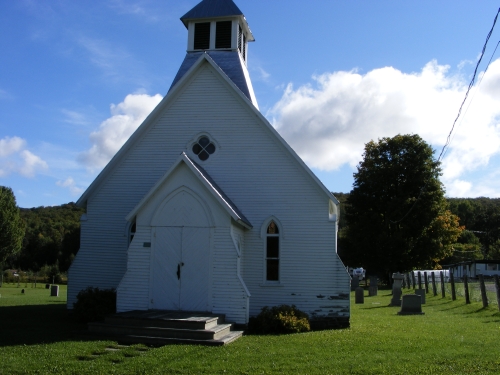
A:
{"x":258,"y":173}
{"x":228,"y":294}
{"x":135,"y":284}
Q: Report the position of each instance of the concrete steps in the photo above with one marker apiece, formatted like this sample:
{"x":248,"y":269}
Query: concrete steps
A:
{"x":157,"y":327}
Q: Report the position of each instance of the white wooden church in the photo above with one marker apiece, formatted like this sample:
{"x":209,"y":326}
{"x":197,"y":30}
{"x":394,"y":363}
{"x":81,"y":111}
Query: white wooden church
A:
{"x":206,"y":207}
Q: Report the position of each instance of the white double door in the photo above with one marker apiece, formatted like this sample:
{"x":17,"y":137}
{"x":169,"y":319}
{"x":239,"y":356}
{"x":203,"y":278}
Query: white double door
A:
{"x":180,"y":268}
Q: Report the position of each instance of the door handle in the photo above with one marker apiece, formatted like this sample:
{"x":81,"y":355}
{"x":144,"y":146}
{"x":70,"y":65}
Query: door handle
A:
{"x":179,"y":265}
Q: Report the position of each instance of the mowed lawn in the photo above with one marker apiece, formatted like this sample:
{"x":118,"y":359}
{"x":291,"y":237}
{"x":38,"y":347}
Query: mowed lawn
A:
{"x":37,"y":336}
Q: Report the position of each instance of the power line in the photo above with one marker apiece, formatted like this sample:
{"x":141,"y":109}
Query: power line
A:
{"x":448,"y":139}
{"x":470,"y":85}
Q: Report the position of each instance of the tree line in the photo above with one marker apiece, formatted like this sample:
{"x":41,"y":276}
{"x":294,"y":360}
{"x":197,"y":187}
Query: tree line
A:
{"x":44,"y":236}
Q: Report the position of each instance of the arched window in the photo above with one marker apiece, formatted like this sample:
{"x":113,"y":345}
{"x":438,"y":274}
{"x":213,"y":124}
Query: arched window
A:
{"x":272,"y":252}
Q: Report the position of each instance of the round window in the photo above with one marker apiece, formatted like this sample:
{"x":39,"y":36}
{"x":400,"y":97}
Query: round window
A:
{"x":203,"y":148}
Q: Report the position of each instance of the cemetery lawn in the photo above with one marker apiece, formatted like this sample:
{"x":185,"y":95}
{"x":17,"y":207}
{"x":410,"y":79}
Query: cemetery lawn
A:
{"x":37,"y":336}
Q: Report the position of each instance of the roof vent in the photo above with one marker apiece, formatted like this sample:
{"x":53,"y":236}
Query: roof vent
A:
{"x":202,"y":35}
{"x":223,"y":34}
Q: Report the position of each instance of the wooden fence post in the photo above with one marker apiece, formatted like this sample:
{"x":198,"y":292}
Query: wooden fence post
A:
{"x":497,"y":287}
{"x":441,"y":275}
{"x":453,"y":291}
{"x":433,"y":279}
{"x":466,"y":289}
{"x":484,"y":297}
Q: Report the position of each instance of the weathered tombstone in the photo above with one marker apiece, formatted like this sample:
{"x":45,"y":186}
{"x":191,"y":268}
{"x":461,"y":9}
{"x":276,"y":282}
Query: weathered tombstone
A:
{"x":373,"y":288}
{"x":419,"y":277}
{"x":354,"y":283}
{"x":466,"y":289}
{"x":54,"y":291}
{"x":359,"y":295}
{"x":426,"y":282}
{"x":421,"y":293}
{"x":484,"y":297}
{"x":396,"y":289}
{"x":497,"y":287}
{"x":413,"y":279}
{"x":434,"y":288}
{"x":409,"y":280}
{"x":22,"y":291}
{"x":452,"y":283}
{"x":411,"y":304}
{"x":47,"y":286}
{"x":441,"y":275}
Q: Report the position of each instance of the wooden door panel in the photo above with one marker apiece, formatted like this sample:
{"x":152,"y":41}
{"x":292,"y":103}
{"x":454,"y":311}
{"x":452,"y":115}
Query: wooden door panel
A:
{"x":195,"y":269}
{"x":165,"y":260}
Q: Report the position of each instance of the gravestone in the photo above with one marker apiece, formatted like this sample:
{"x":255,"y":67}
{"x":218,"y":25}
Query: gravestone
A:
{"x":426,"y":282}
{"x":434,"y":287}
{"x":396,"y":289}
{"x":354,"y":283}
{"x":359,"y":295}
{"x":54,"y":291}
{"x":373,"y":288}
{"x":47,"y":286}
{"x":411,"y":304}
{"x":413,"y":279}
{"x":421,"y":293}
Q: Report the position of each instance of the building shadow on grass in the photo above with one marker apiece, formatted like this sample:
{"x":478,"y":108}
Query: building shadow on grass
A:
{"x":37,"y":324}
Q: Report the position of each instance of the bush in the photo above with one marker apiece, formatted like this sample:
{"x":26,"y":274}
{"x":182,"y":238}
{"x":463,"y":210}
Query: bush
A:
{"x":94,"y":304}
{"x":279,"y":320}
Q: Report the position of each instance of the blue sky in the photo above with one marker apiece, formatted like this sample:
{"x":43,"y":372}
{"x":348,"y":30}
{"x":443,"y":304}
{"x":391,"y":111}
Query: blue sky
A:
{"x":77,"y":77}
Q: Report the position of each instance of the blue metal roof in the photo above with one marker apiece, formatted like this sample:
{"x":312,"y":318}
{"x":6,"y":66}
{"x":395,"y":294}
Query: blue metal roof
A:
{"x":228,"y":61}
{"x":211,"y":9}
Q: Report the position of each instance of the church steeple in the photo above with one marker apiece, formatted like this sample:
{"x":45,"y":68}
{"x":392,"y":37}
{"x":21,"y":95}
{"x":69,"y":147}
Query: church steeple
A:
{"x":218,"y":30}
{"x":215,"y":25}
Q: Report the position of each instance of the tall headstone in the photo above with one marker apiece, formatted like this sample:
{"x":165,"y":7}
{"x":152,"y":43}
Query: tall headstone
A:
{"x":408,"y":284}
{"x":396,"y":289}
{"x":373,"y":288}
{"x":426,"y":282}
{"x":413,"y":279}
{"x":359,"y":295}
{"x":54,"y":291}
{"x":419,"y":280}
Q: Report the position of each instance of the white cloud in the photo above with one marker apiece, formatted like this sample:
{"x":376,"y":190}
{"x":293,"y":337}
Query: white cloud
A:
{"x":328,"y":123}
{"x":10,"y":146}
{"x":14,"y":158}
{"x":70,"y":184}
{"x":32,"y":164}
{"x":113,"y":132}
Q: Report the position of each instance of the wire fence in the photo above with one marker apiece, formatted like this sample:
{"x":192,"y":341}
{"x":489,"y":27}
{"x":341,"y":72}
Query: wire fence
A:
{"x":468,"y":289}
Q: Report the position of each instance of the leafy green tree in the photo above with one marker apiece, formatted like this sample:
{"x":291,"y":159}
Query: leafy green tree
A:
{"x":11,"y":225}
{"x":398,"y":217}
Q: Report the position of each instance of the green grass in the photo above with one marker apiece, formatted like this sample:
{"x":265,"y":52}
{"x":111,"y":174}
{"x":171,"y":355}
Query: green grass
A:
{"x":451,"y":338}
